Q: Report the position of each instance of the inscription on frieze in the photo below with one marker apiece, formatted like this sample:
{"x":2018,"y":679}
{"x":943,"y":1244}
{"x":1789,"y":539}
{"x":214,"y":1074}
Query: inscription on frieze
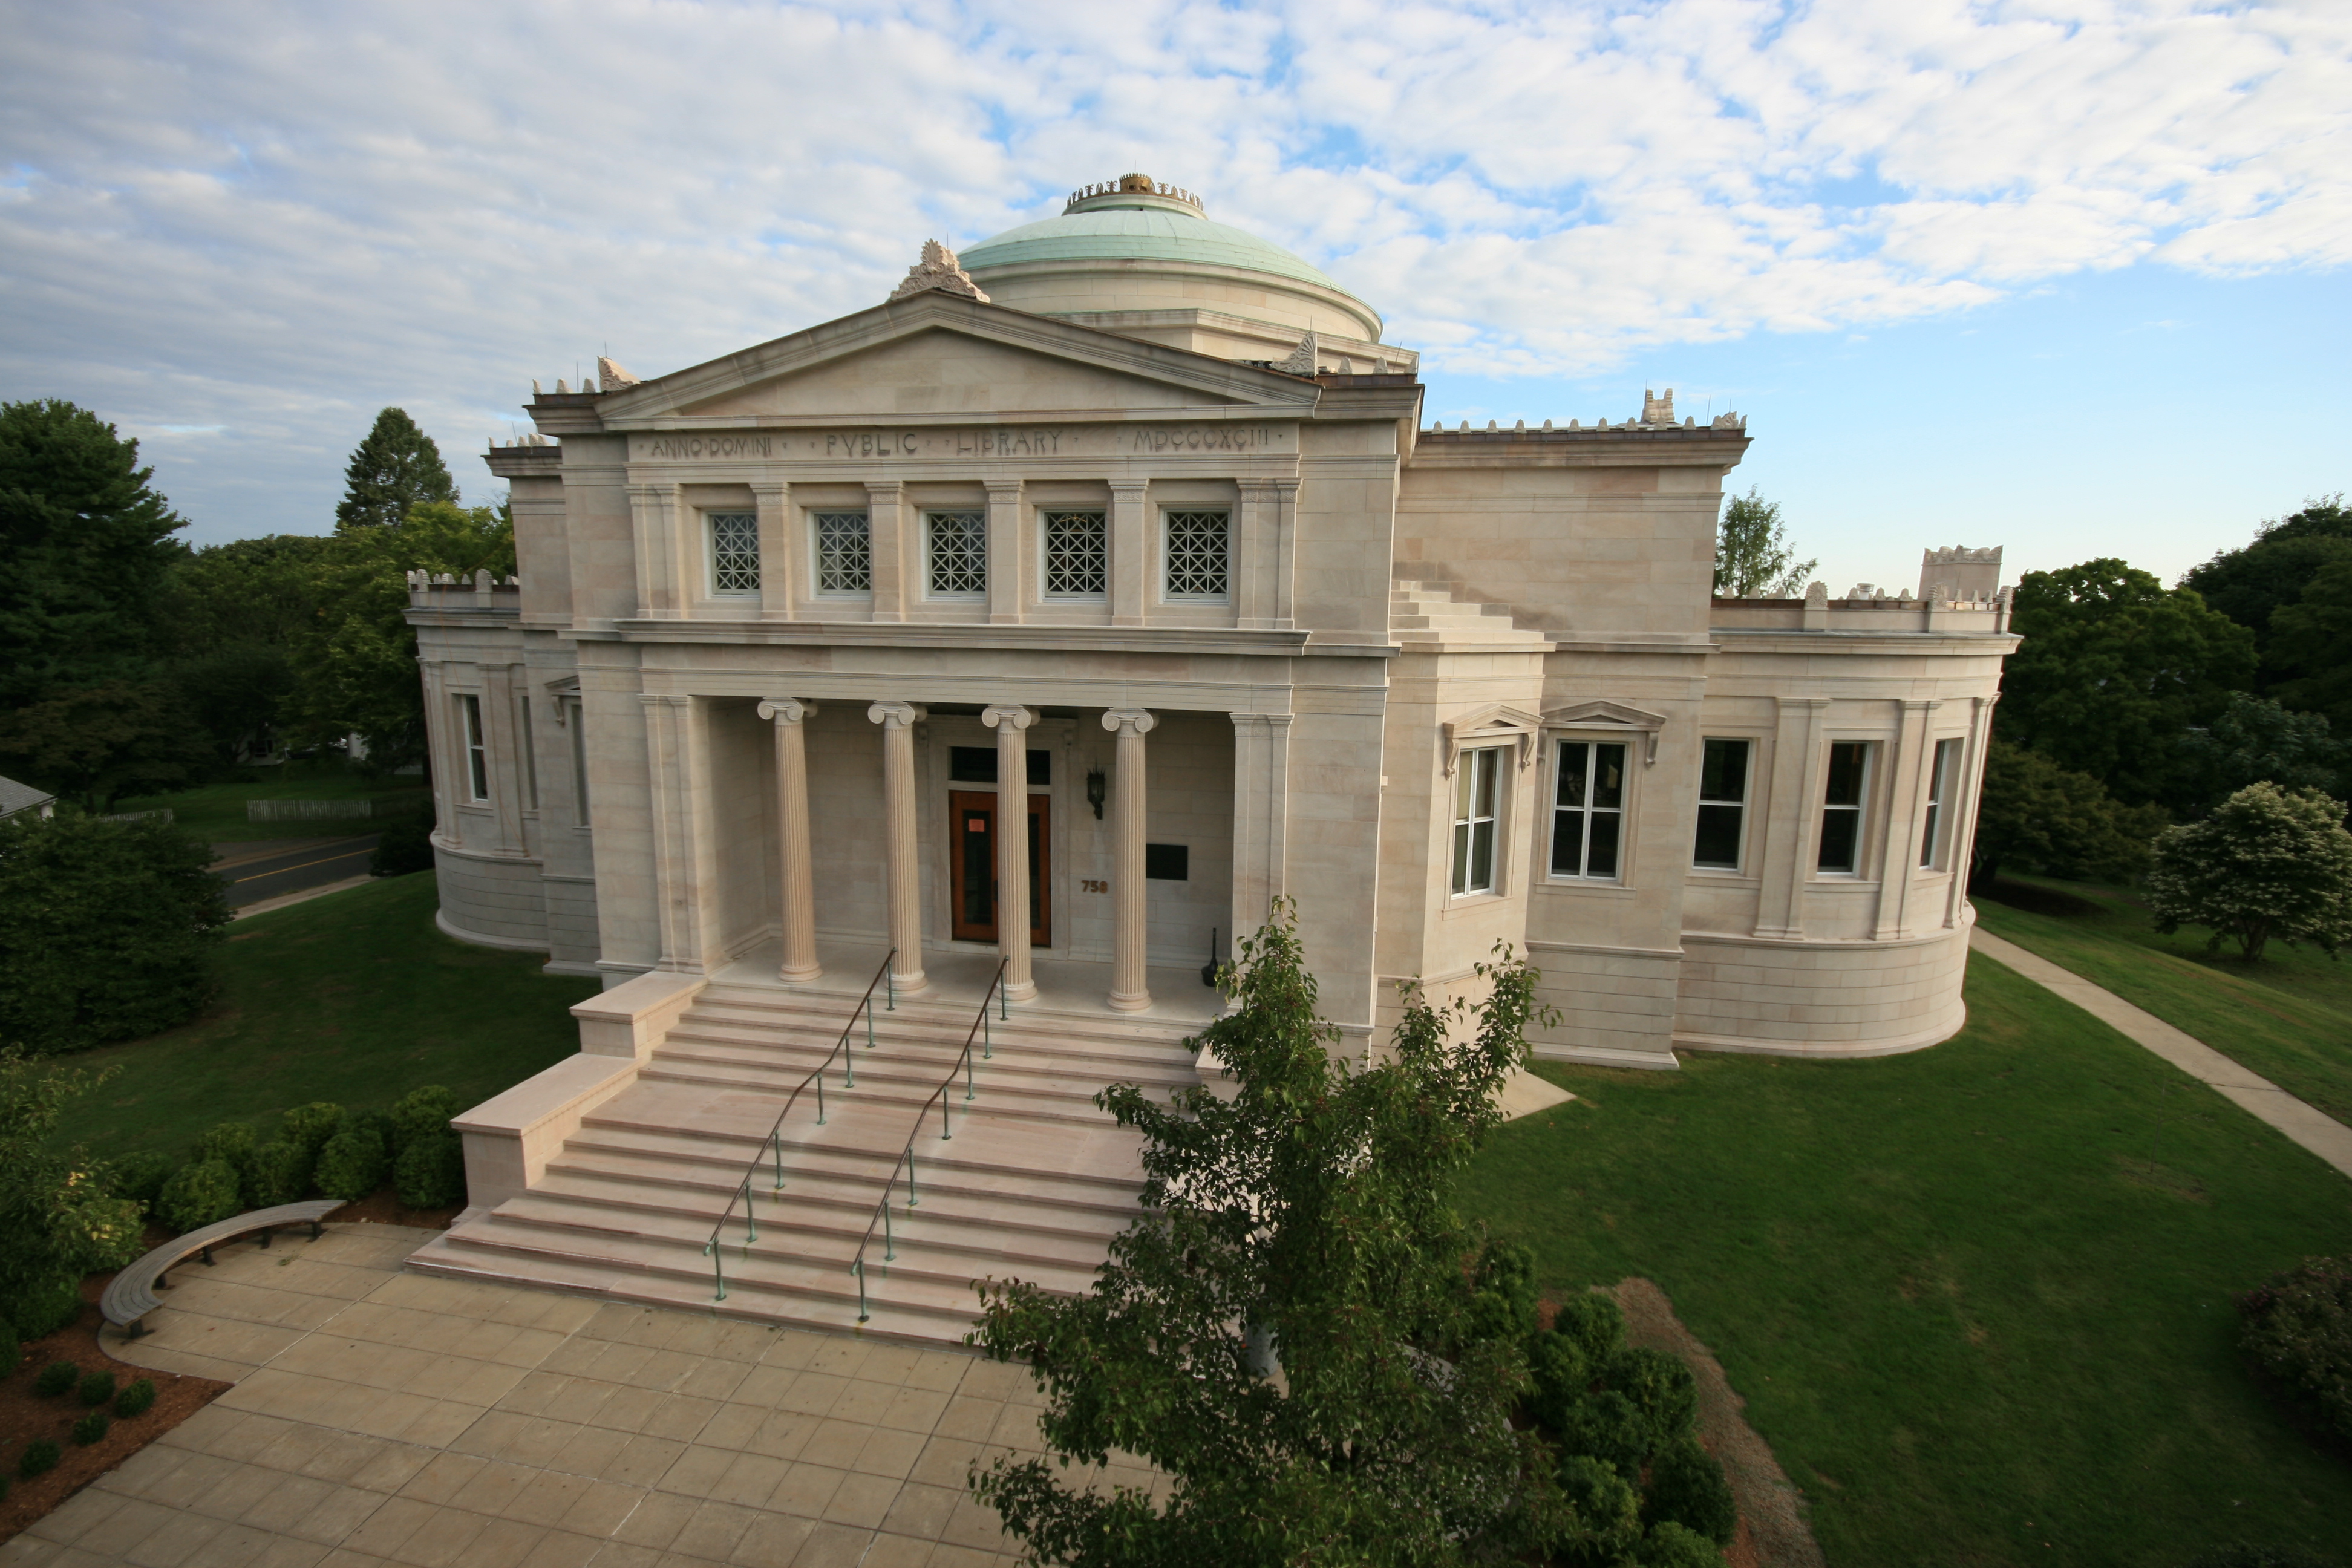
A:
{"x":987,"y":441}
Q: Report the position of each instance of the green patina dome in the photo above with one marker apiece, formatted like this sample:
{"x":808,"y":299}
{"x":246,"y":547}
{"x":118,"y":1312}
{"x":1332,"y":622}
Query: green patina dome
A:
{"x":1140,"y":233}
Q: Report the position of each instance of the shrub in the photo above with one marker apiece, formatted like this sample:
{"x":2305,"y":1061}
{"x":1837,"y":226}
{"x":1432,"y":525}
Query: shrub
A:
{"x":2242,"y":1556}
{"x":355,"y":1162}
{"x":1686,"y":1488}
{"x":232,"y":1142}
{"x":56,"y":1378}
{"x":278,"y":1174}
{"x":58,"y":1221}
{"x":1672,"y":1546}
{"x":41,"y":1309}
{"x":2268,"y":864}
{"x":97,"y":1388}
{"x":197,"y":1195}
{"x":406,"y":845}
{"x":1503,"y":1305}
{"x":309,"y":1127}
{"x":2297,"y":1330}
{"x":1594,"y":1321}
{"x":11,"y":1346}
{"x":141,"y":1177}
{"x":431,"y":1172}
{"x":421,"y":1114}
{"x":91,"y":1427}
{"x":136,"y":1400}
{"x":109,"y":927}
{"x":40,"y":1457}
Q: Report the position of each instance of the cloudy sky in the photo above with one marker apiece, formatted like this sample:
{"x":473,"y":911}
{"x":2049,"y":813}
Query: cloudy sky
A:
{"x":2067,"y":276}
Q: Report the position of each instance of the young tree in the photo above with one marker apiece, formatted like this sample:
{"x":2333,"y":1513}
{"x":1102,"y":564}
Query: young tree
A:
{"x":56,"y":1220}
{"x":1753,"y":558}
{"x":85,"y":542}
{"x":355,"y":664}
{"x":1289,"y":1331}
{"x":2113,"y":669}
{"x":2269,"y":864}
{"x":108,"y":928}
{"x":397,"y":468}
{"x":2034,"y":812}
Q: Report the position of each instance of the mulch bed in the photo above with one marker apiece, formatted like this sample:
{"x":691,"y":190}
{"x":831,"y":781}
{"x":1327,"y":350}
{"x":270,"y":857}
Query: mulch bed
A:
{"x":26,"y":1415}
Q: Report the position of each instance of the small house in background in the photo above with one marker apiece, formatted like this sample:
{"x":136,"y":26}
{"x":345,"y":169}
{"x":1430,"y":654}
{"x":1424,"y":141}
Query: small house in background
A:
{"x":18,"y":798}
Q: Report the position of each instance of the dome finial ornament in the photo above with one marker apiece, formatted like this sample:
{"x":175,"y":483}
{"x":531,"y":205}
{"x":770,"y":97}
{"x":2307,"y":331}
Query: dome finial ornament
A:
{"x":938,"y":269}
{"x":1129,"y":186}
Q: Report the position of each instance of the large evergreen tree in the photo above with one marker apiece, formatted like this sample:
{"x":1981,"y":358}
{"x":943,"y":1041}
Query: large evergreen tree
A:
{"x":85,"y":542}
{"x":397,"y":468}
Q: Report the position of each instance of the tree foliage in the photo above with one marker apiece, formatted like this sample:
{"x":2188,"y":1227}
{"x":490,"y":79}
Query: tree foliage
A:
{"x":2250,"y":583}
{"x":1753,"y":557}
{"x":231,"y":618}
{"x":2311,"y":644}
{"x":2256,"y":737}
{"x":2268,"y":865}
{"x":58,"y":1221}
{"x":396,"y":468}
{"x":94,"y":745}
{"x":2113,"y":669}
{"x":108,"y":929}
{"x":85,"y":542}
{"x":2036,"y":815}
{"x":1289,"y":1331}
{"x":355,"y":664}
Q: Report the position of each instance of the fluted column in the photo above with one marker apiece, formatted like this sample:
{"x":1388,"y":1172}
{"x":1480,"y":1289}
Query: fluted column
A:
{"x":1131,"y":990}
{"x":1012,"y":916}
{"x":795,"y":865}
{"x":899,"y":860}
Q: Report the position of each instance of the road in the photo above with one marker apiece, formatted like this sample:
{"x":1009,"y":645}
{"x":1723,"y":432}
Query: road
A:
{"x":253,"y":872}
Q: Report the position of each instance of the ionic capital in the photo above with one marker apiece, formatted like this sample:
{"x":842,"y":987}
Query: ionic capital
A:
{"x":1008,"y":715}
{"x":896,"y":715}
{"x":786,"y":709}
{"x":1129,"y":720}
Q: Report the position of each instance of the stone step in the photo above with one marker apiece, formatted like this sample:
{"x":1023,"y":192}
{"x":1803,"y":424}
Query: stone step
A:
{"x":886,"y":1073}
{"x":912,"y":1098}
{"x":832,"y":1012}
{"x":785,"y":1052}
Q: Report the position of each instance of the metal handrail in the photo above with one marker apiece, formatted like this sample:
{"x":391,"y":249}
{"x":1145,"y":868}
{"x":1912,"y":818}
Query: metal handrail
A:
{"x":905,"y":1161}
{"x":882,"y":978}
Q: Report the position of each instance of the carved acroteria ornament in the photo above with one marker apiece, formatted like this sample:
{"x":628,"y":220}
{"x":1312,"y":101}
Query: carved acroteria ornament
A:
{"x":938,"y":269}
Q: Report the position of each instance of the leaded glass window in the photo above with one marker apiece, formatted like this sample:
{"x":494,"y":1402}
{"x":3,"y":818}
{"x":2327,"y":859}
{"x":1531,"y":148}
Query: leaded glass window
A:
{"x":845,"y":553}
{"x":959,"y":553}
{"x":1196,"y":553}
{"x":734,"y":553}
{"x":1077,"y":553}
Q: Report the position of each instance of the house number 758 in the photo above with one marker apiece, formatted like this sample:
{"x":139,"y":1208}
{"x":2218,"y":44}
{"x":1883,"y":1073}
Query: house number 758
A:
{"x":1091,"y":886}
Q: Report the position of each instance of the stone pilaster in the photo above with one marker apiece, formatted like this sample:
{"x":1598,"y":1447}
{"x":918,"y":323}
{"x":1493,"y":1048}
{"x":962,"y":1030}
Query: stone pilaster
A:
{"x":1131,"y":551}
{"x":780,"y":568}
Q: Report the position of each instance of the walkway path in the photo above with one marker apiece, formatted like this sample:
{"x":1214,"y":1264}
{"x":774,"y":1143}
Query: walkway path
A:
{"x":386,"y":1416}
{"x":2314,"y":1129}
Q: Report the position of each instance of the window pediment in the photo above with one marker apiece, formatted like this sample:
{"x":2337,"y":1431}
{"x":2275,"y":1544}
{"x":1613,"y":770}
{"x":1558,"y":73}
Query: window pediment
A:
{"x":1604,"y":715}
{"x":1494,"y":723}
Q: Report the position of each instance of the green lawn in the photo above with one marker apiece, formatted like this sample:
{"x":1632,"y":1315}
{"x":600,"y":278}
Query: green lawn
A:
{"x":1977,"y":1298}
{"x":2288,"y":1017}
{"x":215,"y":813}
{"x":353,"y":997}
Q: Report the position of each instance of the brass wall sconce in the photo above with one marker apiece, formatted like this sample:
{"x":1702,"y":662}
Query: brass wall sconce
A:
{"x":1096,"y":791}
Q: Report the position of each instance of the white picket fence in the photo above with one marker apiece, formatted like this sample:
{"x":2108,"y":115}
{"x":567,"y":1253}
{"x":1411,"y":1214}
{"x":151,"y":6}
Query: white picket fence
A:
{"x":318,"y":810}
{"x":162,"y":811}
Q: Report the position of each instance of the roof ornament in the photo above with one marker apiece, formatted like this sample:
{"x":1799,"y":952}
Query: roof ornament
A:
{"x":1656,"y":410}
{"x":938,"y":269}
{"x":1302,"y":358}
{"x":613,"y":376}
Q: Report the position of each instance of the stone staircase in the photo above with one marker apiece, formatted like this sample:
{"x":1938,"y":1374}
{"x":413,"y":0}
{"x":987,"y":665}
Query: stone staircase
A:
{"x":1427,"y":614}
{"x":1033,"y":1184}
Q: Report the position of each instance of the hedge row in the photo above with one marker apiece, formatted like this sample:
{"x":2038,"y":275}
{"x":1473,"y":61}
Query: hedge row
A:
{"x":320,"y":1150}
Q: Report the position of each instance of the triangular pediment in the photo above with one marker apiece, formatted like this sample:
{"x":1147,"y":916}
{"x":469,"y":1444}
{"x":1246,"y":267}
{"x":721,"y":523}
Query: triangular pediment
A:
{"x":943,"y":371}
{"x":940,"y":355}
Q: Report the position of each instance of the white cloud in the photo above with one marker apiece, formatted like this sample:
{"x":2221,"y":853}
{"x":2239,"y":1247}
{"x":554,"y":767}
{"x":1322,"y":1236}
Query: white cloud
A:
{"x":272,"y":219}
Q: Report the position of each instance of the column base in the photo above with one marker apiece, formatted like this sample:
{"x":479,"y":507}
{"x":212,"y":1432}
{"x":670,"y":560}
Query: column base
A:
{"x":1026,"y":991}
{"x":801,"y":975}
{"x":1120,"y":1002}
{"x":909,"y":985}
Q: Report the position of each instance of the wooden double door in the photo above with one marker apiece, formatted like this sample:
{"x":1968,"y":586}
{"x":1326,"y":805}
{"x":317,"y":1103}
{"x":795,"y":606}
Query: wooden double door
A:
{"x":971,"y":866}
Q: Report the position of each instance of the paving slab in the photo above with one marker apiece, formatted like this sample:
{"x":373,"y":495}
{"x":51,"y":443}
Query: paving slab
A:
{"x":380,"y":1415}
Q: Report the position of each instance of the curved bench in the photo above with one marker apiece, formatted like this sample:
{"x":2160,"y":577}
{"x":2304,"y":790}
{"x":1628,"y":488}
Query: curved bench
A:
{"x":130,"y":1295}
